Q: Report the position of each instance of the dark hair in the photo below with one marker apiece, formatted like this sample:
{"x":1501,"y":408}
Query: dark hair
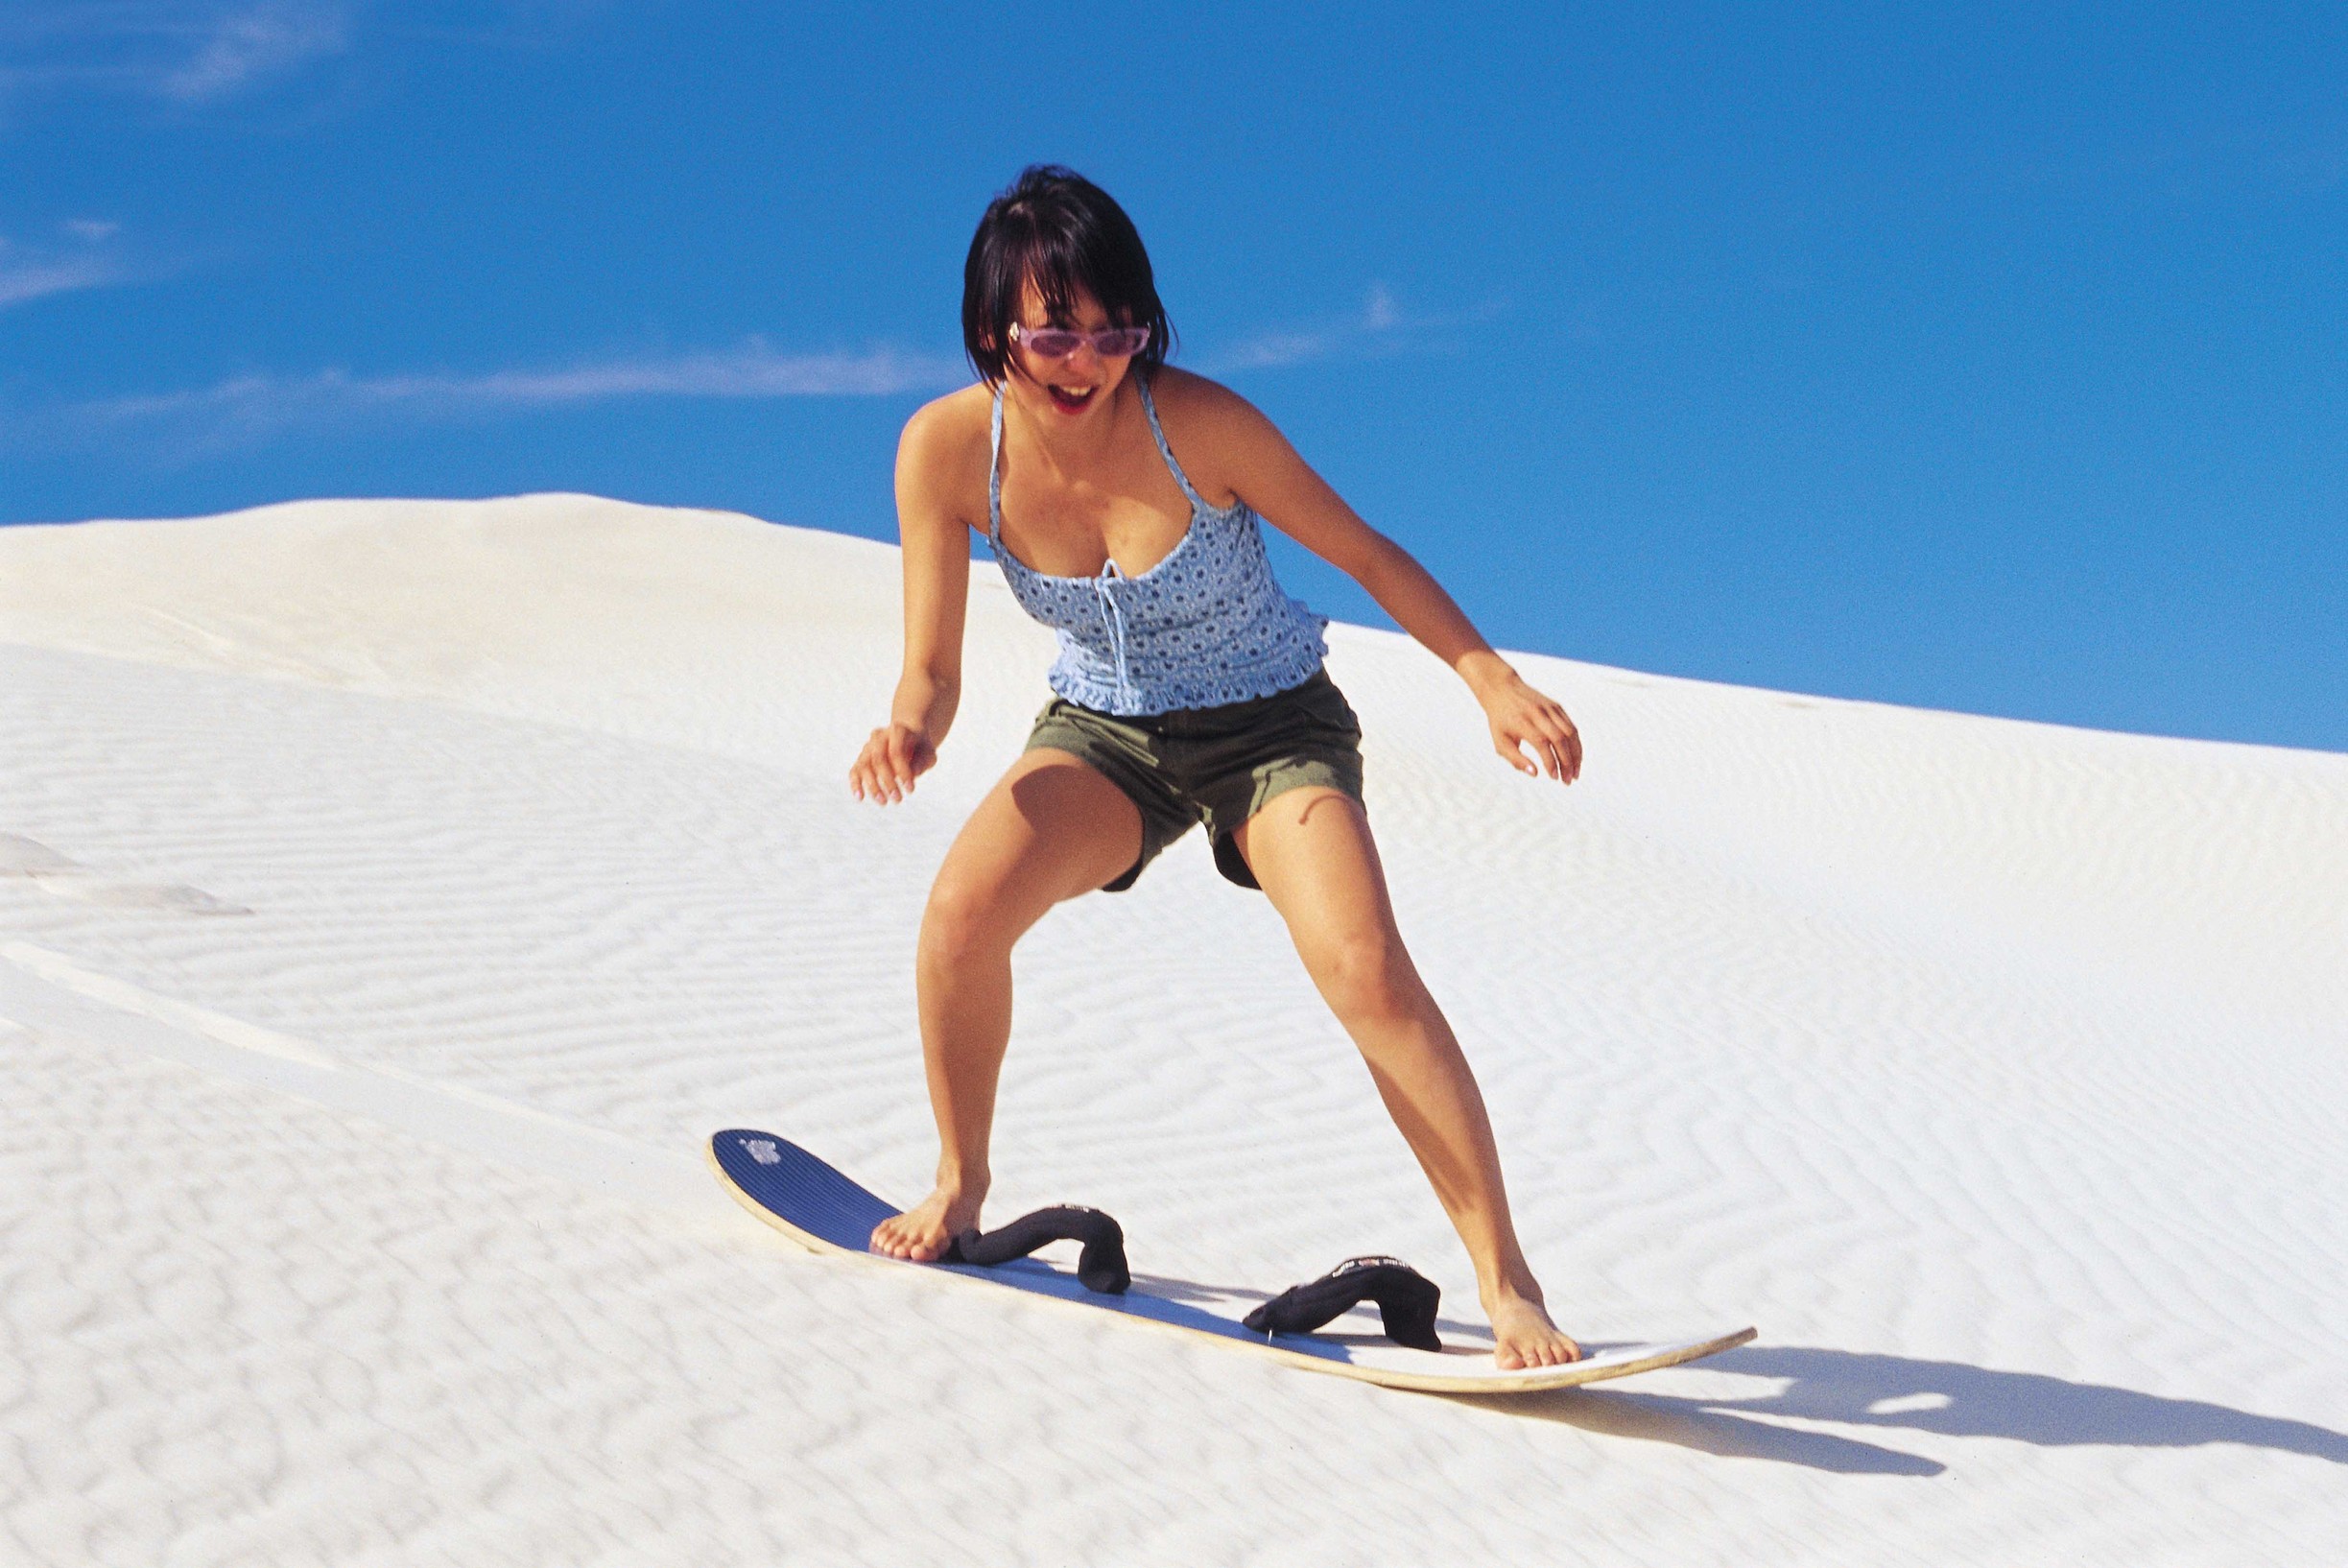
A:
{"x":1062,"y":230}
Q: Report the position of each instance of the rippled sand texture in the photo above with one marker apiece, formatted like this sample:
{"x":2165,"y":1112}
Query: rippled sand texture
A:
{"x":392,"y":895}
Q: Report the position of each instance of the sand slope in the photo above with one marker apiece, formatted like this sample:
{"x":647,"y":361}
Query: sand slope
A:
{"x":394,"y":894}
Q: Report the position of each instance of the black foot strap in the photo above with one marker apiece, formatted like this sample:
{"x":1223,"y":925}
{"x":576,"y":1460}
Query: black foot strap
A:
{"x":1099,"y":1267}
{"x":1406,"y":1300}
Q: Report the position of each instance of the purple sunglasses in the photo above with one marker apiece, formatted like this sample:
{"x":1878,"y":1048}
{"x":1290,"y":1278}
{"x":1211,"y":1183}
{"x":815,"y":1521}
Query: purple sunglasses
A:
{"x":1057,"y":343}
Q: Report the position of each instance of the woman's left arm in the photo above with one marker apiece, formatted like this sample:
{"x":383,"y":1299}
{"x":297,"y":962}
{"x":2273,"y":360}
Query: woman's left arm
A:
{"x":1267,"y":472}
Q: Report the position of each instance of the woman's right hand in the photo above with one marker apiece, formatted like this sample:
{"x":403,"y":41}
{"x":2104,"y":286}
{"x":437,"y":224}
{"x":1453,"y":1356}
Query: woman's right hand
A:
{"x":885,"y":770}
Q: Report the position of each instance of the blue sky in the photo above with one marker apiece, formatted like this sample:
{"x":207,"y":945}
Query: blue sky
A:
{"x":1971,"y":357}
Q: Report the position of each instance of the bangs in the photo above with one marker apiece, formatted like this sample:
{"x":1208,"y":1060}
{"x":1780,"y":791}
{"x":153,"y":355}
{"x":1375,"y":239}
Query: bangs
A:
{"x":1048,"y":261}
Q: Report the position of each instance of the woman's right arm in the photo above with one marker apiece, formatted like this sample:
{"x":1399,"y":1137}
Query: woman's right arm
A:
{"x":935,"y":545}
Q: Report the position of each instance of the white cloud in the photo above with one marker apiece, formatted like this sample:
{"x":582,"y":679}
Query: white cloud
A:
{"x":1268,"y":349}
{"x":30,"y":280}
{"x":253,"y":42}
{"x":187,"y":51}
{"x":28,"y":274}
{"x":246,"y":409}
{"x":1379,"y":326}
{"x":752,"y":370}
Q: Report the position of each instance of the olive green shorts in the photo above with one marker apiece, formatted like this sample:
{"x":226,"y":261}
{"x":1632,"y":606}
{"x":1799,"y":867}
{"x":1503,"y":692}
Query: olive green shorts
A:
{"x":1216,"y":765}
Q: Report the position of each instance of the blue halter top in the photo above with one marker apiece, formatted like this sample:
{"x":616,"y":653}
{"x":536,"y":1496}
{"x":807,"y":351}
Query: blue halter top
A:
{"x":1206,"y":626}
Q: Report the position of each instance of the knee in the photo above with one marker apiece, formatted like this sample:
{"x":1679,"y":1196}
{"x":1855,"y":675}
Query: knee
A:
{"x":963,"y":919}
{"x":1366,"y":975}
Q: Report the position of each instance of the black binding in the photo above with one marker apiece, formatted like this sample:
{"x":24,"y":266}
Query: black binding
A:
{"x":1407,"y":1302}
{"x":1101,"y":1267}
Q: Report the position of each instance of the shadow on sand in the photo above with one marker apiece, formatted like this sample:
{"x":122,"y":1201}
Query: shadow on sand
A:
{"x":1895,"y":1393}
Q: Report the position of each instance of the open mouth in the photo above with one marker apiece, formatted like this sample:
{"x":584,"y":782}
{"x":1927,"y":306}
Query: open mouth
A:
{"x":1071,"y":399}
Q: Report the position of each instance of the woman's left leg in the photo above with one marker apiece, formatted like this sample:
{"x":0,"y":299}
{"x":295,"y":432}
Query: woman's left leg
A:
{"x":1312,"y":851}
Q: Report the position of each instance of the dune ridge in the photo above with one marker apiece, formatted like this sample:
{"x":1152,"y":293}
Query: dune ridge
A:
{"x":393,"y":893}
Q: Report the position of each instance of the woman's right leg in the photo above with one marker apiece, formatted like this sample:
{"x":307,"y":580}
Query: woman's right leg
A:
{"x":1054,"y":828}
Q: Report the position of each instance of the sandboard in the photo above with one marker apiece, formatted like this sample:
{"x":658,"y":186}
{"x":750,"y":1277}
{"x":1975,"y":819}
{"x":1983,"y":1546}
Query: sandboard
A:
{"x":826,"y":1212}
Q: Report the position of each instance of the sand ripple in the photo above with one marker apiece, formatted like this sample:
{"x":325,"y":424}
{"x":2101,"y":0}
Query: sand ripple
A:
{"x":1992,"y":1069}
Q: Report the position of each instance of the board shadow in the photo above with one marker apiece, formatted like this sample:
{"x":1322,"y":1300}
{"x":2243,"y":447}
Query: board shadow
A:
{"x":1905,"y":1394}
{"x":1707,"y":1429}
{"x":1954,"y":1399}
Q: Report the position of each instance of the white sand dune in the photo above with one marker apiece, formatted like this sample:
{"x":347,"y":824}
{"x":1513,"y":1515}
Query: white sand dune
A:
{"x":394,"y":894}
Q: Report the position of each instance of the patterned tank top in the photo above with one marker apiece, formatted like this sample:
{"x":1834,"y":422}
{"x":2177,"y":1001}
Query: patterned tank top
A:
{"x":1206,"y":626}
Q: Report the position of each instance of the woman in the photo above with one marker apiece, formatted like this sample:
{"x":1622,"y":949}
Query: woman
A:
{"x":1189,"y":688}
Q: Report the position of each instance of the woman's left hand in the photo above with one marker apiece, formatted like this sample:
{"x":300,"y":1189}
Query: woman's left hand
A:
{"x":1520,"y":717}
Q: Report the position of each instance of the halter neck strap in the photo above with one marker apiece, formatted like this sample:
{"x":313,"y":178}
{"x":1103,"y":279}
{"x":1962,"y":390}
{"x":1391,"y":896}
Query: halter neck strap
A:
{"x":994,"y":472}
{"x":1157,"y":433}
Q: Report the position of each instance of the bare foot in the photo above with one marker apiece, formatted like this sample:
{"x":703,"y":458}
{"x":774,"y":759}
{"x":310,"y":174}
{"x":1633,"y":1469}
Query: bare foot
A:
{"x":1526,"y":1335}
{"x":921,"y":1232}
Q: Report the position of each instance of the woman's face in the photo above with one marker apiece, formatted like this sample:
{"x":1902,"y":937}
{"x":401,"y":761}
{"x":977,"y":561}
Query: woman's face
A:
{"x":1072,"y":387}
